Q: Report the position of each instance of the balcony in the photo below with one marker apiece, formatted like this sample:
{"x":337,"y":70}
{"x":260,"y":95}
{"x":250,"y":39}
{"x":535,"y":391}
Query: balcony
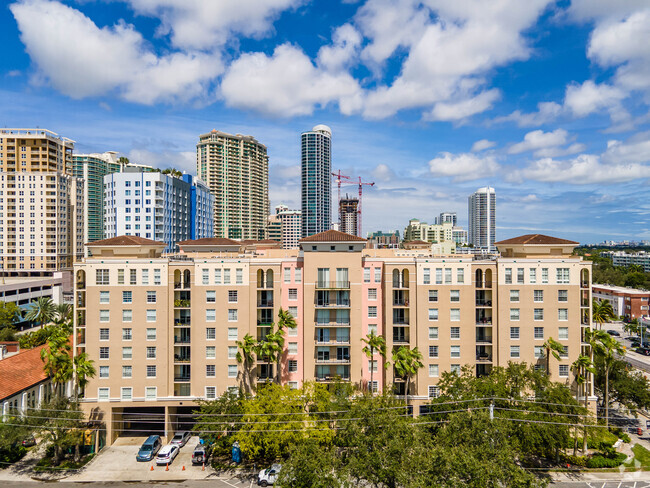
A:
{"x":333,"y":361}
{"x":182,"y":378}
{"x":332,"y":285}
{"x":333,"y":342}
{"x":333,"y":324}
{"x":484,"y":358}
{"x":329,"y":378}
{"x":183,"y":321}
{"x":336,"y":304}
{"x":400,"y":303}
{"x":400,"y":321}
{"x":181,"y":340}
{"x":400,"y":285}
{"x":265,"y":304}
{"x":483,"y":303}
{"x":268,"y":285}
{"x":484,"y":322}
{"x":182,"y":303}
{"x":400,"y":340}
{"x":483,"y":339}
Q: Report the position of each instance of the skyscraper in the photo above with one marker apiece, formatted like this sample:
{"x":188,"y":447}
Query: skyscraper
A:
{"x":348,"y":216}
{"x":316,"y":165}
{"x":482,"y":218}
{"x":447,"y":218}
{"x":236,"y":169}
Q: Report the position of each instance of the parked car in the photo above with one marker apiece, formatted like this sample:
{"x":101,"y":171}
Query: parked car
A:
{"x":180,"y":438}
{"x":643,"y":350}
{"x":269,"y":476}
{"x":29,"y":441}
{"x":201,"y":453}
{"x":149,"y":448}
{"x":614,"y":333}
{"x":167,"y":454}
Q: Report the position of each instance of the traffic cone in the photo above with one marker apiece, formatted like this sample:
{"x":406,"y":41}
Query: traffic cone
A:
{"x":152,"y":467}
{"x":167,"y":468}
{"x":203,"y":468}
{"x":183,"y":468}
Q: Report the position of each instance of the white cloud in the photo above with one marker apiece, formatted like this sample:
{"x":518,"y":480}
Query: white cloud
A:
{"x":200,"y":24}
{"x":539,"y":139}
{"x":483,"y":144}
{"x":634,"y":150}
{"x":286,"y":84}
{"x":464,"y":108}
{"x":590,"y":97}
{"x":463,"y":167}
{"x":346,"y":41}
{"x":604,"y":9}
{"x":582,"y":170}
{"x":546,"y":112}
{"x":80,"y":60}
{"x":383,"y":172}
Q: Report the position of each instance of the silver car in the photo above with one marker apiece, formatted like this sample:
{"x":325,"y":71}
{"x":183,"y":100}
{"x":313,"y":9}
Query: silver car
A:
{"x":180,"y":439}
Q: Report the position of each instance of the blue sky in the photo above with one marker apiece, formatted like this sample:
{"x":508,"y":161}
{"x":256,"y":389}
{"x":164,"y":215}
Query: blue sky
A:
{"x":547,"y":101}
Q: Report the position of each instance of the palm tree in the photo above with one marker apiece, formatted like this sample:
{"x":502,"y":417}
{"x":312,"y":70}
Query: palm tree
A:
{"x":245,"y":355}
{"x":83,"y":369}
{"x":57,"y":361}
{"x":554,"y":348}
{"x":581,"y":367}
{"x":602,"y":312}
{"x":267,"y":349}
{"x":373,"y":343}
{"x":607,"y":348}
{"x":42,"y":311}
{"x":407,"y":362}
{"x":63,"y":312}
{"x":285,"y":321}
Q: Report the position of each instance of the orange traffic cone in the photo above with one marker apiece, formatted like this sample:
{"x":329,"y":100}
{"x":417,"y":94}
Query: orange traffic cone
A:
{"x":203,"y":468}
{"x":152,"y":467}
{"x":167,"y":468}
{"x":183,"y":468}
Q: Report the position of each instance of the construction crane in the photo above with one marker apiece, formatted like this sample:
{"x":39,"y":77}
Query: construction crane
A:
{"x":361,"y":183}
{"x":339,"y":180}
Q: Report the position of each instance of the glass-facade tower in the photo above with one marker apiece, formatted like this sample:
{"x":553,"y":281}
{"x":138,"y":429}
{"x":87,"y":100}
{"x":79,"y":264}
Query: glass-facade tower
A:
{"x":316,"y":188}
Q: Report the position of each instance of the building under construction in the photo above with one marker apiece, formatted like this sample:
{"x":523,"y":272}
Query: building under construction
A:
{"x":348,"y":215}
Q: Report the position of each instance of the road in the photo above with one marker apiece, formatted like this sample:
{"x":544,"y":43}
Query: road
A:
{"x":638,"y":361}
{"x":620,"y":483}
{"x":209,"y":483}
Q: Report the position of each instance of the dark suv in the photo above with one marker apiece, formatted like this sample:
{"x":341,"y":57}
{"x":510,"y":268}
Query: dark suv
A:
{"x":201,"y":453}
{"x":149,"y":448}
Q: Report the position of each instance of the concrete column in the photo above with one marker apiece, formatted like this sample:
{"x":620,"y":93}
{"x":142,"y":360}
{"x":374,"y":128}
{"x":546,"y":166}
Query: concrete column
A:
{"x":23,"y":403}
{"x":169,"y":428}
{"x":41,"y":393}
{"x":5,"y":410}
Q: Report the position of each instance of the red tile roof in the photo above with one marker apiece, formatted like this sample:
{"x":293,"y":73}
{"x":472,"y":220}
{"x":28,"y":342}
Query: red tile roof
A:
{"x":540,"y":239}
{"x":209,"y":241}
{"x":21,"y":371}
{"x":332,"y":236}
{"x":126,"y":241}
{"x":416,"y":243}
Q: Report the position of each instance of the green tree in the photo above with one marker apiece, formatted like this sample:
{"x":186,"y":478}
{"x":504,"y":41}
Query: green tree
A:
{"x":246,"y":357}
{"x":551,"y":348}
{"x":407,"y":362}
{"x":63,"y":312}
{"x":268,"y":349}
{"x":583,"y":368}
{"x":83,"y":370}
{"x":285,"y":321}
{"x":57,"y":359}
{"x":312,"y":465}
{"x":218,"y":420}
{"x":9,"y":314}
{"x":602,"y":312}
{"x":607,"y":349}
{"x":374,"y":344}
{"x":627,"y":386}
{"x":42,"y":311}
{"x":123,"y":160}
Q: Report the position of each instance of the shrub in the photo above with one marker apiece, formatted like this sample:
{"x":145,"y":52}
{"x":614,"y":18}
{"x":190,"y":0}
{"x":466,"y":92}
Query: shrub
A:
{"x":603,"y":462}
{"x":625,"y":438}
{"x":575,"y":460}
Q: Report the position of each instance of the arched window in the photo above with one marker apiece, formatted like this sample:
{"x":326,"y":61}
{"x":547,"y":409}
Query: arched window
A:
{"x":479,"y":278}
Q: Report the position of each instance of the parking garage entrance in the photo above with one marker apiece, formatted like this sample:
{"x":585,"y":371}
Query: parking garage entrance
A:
{"x":139,"y":421}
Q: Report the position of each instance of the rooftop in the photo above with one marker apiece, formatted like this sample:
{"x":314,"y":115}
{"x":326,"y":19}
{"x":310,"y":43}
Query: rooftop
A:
{"x":21,"y":371}
{"x":332,"y":236}
{"x":126,"y":241}
{"x":621,"y":289}
{"x":210,"y":241}
{"x":536,"y":239}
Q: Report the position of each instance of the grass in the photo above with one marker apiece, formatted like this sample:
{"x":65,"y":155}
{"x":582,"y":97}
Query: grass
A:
{"x":45,"y":464}
{"x":642,"y":455}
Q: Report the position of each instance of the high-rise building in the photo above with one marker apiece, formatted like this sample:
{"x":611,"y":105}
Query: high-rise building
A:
{"x":190,"y":313}
{"x":349,"y":215}
{"x":291,"y":221}
{"x":236,"y":169}
{"x":459,"y":235}
{"x":316,"y":164}
{"x":41,"y":227}
{"x":92,"y":168}
{"x":156,"y":205}
{"x":482,"y":218}
{"x":447,"y":218}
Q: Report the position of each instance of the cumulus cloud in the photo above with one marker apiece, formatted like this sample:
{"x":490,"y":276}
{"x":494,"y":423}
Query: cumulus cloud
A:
{"x":80,"y":60}
{"x":482,"y":145}
{"x":546,"y":112}
{"x":590,"y":97}
{"x":463,"y":108}
{"x":383,"y":172}
{"x":345,"y":43}
{"x":634,"y":150}
{"x":286,"y":84}
{"x":463,"y":167}
{"x":547,"y":144}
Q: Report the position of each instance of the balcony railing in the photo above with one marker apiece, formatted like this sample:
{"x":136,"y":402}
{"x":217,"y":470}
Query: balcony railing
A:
{"x":484,"y":322}
{"x":484,"y":340}
{"x":182,"y":321}
{"x":332,"y":285}
{"x":181,"y":359}
{"x":327,"y":304}
{"x":182,"y":303}
{"x":484,"y":358}
{"x":333,"y":342}
{"x":400,"y":321}
{"x":400,"y":285}
{"x":400,"y":340}
{"x":332,"y":378}
{"x":182,"y":378}
{"x":484,"y":303}
{"x":181,"y":340}
{"x":265,"y":303}
{"x":400,"y":303}
{"x":333,"y":361}
{"x":333,"y":324}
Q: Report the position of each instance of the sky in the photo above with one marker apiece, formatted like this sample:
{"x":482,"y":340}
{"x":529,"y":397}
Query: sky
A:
{"x":546,"y":101}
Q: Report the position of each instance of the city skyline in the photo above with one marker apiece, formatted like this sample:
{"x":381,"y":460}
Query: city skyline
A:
{"x":561,"y":132}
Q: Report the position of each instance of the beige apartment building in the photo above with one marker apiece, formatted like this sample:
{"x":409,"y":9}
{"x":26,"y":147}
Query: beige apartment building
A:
{"x":41,"y":204}
{"x":163,"y":330}
{"x":236,"y":169}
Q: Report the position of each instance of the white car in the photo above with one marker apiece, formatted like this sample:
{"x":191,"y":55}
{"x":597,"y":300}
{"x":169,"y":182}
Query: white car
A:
{"x":269,"y":476}
{"x":166,"y":455}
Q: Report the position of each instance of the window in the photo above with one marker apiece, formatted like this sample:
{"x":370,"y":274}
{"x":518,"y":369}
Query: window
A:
{"x":454,"y":295}
{"x":372,"y":329}
{"x":210,"y":370}
{"x":438,"y":276}
{"x":232,"y":333}
{"x":239,"y":276}
{"x":156,"y":277}
{"x":514,"y":332}
{"x":366,"y":275}
{"x":455,"y":333}
{"x":520,"y":276}
{"x":433,"y":333}
{"x":372,"y":312}
{"x":460,"y":275}
{"x":293,"y":366}
{"x":232,"y":352}
{"x":145,"y":275}
{"x":508,"y":276}
{"x":104,"y":335}
{"x":455,"y":351}
{"x":103,"y":394}
{"x":514,"y":295}
{"x":151,"y":315}
{"x":210,"y":296}
{"x":127,"y":393}
{"x":293,"y":348}
{"x":447,"y":276}
{"x":539,"y":332}
{"x":232,"y":371}
{"x":298,"y":275}
{"x":127,"y":371}
{"x":433,"y":351}
{"x":120,"y":276}
{"x":205,"y":277}
{"x":294,"y":313}
{"x":210,"y":315}
{"x":433,"y":295}
{"x":563,"y":370}
{"x":104,"y":296}
{"x":426,"y":276}
{"x":151,"y":297}
{"x":544,"y":276}
{"x":565,"y":352}
{"x":104,"y":316}
{"x":151,"y":371}
{"x":151,"y":334}
{"x":210,"y":352}
{"x":287,"y":275}
{"x":563,"y":314}
{"x":232,"y":315}
{"x":127,"y":352}
{"x":103,"y":353}
{"x":127,"y":334}
{"x":538,"y":295}
{"x":454,"y":368}
{"x":151,"y":352}
{"x":514,"y":314}
{"x":433,"y":371}
{"x":372,"y":293}
{"x":562,"y":295}
{"x":133,"y":276}
{"x":217,"y":276}
{"x":433,"y":391}
{"x":232,"y":296}
{"x":372,"y":366}
{"x":433,"y":314}
{"x":532,"y":275}
{"x":539,"y":352}
{"x":563,"y":333}
{"x":101,"y":277}
{"x":210,"y":333}
{"x":127,"y":315}
{"x":514,"y":351}
{"x":377,"y":275}
{"x":538,"y":314}
{"x":454,"y":314}
{"x":150,"y":393}
{"x":103,"y":371}
{"x":293,"y":294}
{"x":562,"y":275}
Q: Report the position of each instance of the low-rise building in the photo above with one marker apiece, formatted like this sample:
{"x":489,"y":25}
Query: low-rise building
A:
{"x":383,"y":240}
{"x":622,"y":258}
{"x":626,"y":302}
